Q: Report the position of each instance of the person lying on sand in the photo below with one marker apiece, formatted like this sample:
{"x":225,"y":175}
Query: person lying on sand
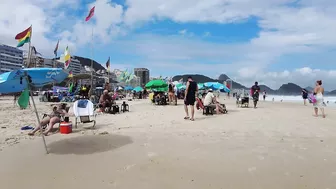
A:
{"x":51,"y":119}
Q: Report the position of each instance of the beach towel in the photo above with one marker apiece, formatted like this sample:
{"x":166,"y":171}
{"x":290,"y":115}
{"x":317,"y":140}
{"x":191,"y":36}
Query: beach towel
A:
{"x":24,"y":99}
{"x":311,"y":98}
{"x":82,"y":103}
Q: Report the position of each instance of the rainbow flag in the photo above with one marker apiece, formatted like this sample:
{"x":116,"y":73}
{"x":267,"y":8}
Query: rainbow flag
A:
{"x":67,"y":58}
{"x":24,"y":37}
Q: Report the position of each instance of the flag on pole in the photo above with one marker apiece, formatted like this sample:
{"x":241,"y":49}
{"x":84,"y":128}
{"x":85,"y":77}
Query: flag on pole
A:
{"x":35,"y":51}
{"x":56,"y":49}
{"x":67,"y":58}
{"x":91,"y":13}
{"x":24,"y":37}
{"x":108,"y":65}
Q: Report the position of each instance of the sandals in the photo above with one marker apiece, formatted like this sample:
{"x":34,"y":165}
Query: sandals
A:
{"x":186,"y":118}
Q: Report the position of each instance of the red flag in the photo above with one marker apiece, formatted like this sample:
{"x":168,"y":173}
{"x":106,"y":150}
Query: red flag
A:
{"x":90,"y":14}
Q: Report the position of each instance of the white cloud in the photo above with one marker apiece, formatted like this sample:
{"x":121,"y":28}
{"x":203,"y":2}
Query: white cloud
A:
{"x":302,"y":76}
{"x":307,"y":27}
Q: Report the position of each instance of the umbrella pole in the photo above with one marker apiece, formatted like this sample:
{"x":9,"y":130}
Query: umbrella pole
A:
{"x":37,"y":117}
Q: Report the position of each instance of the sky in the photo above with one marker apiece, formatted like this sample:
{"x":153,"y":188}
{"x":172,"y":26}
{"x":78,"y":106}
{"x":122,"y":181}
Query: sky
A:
{"x":270,"y":41}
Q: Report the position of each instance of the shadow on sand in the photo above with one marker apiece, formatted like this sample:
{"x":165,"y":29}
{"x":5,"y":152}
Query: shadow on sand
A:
{"x":89,"y":144}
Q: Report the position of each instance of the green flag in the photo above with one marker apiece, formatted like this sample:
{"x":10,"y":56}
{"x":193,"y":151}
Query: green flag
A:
{"x":24,"y":99}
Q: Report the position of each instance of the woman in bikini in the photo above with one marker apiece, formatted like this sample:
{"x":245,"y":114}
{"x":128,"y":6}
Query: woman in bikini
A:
{"x":318,"y":92}
{"x":51,"y":119}
{"x":171,"y":93}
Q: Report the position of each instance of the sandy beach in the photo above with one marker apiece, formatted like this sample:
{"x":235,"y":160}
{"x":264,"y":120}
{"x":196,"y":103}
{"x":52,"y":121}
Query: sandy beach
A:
{"x":277,"y":146}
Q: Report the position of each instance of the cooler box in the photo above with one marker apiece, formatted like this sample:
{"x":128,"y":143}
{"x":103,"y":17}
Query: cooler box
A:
{"x":65,"y":127}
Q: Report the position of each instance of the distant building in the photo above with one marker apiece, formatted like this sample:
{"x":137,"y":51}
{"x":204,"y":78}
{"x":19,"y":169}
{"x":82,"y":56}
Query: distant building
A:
{"x":11,"y":58}
{"x":75,"y":64}
{"x":143,"y":74}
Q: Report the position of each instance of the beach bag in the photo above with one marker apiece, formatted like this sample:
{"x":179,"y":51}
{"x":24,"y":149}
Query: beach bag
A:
{"x":311,"y":98}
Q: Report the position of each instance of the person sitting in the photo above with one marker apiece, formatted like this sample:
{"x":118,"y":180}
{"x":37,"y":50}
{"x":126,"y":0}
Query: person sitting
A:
{"x":105,"y":101}
{"x":211,"y":100}
{"x":51,"y":119}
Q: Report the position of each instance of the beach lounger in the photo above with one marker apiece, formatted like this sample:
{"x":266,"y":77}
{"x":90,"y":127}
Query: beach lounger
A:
{"x":84,"y":112}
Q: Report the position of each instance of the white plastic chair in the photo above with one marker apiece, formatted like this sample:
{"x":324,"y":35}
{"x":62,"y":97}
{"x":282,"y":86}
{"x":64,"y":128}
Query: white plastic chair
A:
{"x":84,"y":115}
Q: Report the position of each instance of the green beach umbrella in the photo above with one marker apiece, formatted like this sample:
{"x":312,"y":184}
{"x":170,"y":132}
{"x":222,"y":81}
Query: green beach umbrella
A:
{"x":156,"y":84}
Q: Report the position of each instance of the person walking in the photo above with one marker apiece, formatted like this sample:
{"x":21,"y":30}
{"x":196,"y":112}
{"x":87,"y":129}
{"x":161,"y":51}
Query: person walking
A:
{"x":304,"y":96}
{"x":190,"y":98}
{"x":319,"y":104}
{"x":255,"y":89}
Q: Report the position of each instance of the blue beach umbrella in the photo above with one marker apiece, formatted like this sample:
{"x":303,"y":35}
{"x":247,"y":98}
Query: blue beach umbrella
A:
{"x":15,"y":81}
{"x":138,"y":89}
{"x":128,"y":88}
{"x":216,"y":86}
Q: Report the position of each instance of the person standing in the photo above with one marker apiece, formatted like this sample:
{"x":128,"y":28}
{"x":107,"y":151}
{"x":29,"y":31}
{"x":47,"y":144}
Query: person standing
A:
{"x":255,"y":89}
{"x":264,"y":95}
{"x":319,"y":104}
{"x":190,"y":98}
{"x":304,"y":96}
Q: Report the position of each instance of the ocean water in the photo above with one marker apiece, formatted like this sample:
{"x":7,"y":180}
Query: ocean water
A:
{"x":329,"y":100}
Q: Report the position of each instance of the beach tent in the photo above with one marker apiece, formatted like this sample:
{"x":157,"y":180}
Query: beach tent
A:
{"x":138,"y":89}
{"x":22,"y":79}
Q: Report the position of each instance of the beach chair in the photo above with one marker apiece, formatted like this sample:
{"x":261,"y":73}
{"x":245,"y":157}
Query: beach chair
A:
{"x":84,"y":112}
{"x":207,"y":110}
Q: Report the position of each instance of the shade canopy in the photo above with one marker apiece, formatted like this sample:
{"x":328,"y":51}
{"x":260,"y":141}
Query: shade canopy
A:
{"x":15,"y":81}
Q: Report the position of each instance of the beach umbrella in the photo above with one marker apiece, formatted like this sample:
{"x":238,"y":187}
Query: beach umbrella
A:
{"x":200,"y":86}
{"x":156,"y":84}
{"x":23,"y":79}
{"x":160,"y":89}
{"x":128,"y":88}
{"x":138,"y":89}
{"x":14,"y":81}
{"x":217,"y":86}
{"x":181,"y":87}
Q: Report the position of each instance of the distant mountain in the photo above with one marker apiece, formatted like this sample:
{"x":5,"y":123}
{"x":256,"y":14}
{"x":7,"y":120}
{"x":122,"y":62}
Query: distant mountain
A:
{"x":196,"y":77}
{"x":267,"y":89}
{"x":87,"y":62}
{"x":289,"y":89}
{"x":309,"y":89}
{"x":285,"y":89}
{"x":331,"y":93}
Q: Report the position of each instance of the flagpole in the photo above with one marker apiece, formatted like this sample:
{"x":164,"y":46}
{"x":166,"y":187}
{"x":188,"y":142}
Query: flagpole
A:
{"x":91,"y":88}
{"x":29,"y":50}
{"x":31,"y":93}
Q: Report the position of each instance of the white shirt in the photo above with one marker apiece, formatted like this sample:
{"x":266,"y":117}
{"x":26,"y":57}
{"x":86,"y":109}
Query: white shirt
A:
{"x":209,"y":99}
{"x":175,"y":90}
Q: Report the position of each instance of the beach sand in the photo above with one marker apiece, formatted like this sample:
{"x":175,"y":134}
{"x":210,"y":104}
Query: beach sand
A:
{"x":277,"y":146}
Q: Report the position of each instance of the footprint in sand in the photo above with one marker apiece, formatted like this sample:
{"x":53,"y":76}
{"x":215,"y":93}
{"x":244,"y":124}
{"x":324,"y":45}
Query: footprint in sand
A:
{"x":151,"y":154}
{"x":252,"y":169}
